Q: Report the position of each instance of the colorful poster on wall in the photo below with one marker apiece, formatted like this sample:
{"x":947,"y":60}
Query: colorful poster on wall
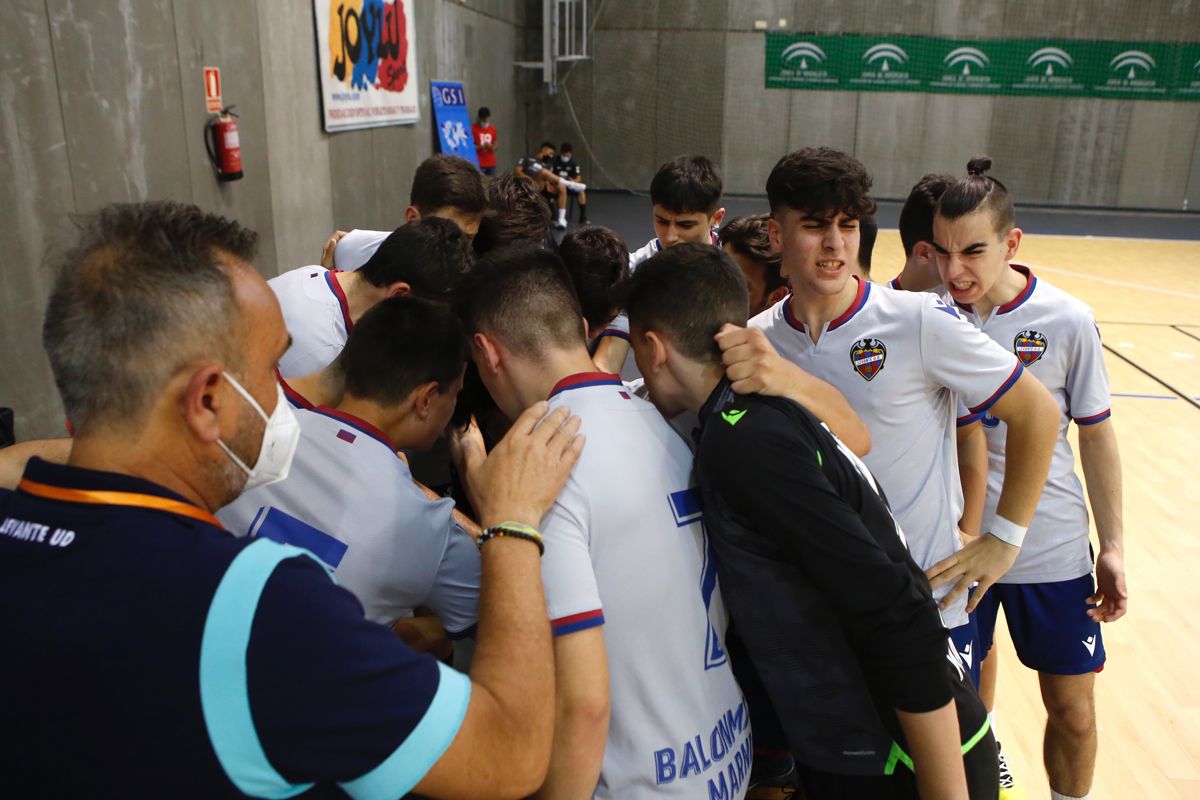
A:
{"x":367,"y":57}
{"x":452,"y":120}
{"x":1063,"y":68}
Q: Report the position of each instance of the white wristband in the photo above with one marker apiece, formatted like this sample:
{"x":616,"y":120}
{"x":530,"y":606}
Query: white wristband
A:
{"x":1008,"y":531}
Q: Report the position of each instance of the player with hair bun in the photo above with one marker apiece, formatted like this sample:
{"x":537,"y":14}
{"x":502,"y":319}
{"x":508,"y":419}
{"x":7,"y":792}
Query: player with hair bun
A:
{"x":1052,"y":602}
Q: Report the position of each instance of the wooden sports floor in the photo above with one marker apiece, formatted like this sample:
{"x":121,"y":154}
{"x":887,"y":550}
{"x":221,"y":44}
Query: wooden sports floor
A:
{"x":1146,"y":295}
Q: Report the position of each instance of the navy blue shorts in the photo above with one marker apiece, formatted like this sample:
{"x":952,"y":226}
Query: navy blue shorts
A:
{"x":970,"y":651}
{"x":1049,"y":625}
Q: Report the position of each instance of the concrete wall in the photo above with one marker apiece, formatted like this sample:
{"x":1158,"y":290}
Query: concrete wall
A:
{"x":103,"y":101}
{"x":684,"y":76}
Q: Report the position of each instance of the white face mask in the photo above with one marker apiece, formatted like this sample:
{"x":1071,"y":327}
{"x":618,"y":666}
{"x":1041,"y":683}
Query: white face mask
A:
{"x":279,"y":440}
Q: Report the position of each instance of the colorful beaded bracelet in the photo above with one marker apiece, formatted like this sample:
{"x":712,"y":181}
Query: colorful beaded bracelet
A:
{"x":515,"y":530}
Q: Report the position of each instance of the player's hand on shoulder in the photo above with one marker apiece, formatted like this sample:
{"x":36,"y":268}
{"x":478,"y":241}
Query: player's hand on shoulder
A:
{"x":331,"y":248}
{"x":984,"y":560}
{"x":523,"y":475}
{"x":752,"y":364}
{"x":1111,"y":597}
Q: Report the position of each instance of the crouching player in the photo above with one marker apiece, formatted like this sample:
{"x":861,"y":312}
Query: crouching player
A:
{"x":838,"y":619}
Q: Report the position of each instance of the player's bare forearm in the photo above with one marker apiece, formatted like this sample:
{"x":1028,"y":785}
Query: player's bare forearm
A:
{"x":754,"y":367}
{"x":14,"y":458}
{"x":1032,"y":419}
{"x":972,"y":474}
{"x":611,"y":353}
{"x":1101,"y":461}
{"x":503,"y":746}
{"x":581,"y":716}
{"x":933,"y":742}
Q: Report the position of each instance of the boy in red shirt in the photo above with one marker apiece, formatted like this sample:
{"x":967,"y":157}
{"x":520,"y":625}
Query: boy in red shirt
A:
{"x":485,"y":141}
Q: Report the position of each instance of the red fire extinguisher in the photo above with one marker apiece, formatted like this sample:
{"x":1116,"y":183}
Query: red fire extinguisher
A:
{"x":221,"y":141}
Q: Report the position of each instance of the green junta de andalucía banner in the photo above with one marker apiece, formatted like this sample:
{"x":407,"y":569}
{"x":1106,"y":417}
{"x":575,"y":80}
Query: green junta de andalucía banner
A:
{"x":1030,"y":67}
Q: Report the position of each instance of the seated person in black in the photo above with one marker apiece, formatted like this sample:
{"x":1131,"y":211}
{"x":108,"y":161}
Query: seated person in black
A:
{"x":839,"y":622}
{"x":565,"y":166}
{"x":540,"y":169}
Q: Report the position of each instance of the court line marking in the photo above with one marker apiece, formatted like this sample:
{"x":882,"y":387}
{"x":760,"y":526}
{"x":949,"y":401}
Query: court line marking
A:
{"x":1186,"y":333}
{"x":1115,"y":282}
{"x":1151,"y":375}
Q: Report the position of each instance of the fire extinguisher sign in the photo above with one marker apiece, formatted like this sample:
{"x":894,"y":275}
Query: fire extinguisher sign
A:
{"x":212,"y":89}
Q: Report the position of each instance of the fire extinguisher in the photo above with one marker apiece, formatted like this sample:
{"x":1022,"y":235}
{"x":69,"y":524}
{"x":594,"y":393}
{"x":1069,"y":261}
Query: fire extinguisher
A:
{"x":221,"y":141}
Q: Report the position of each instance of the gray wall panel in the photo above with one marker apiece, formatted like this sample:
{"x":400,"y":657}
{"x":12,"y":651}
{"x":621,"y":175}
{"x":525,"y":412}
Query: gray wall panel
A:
{"x":885,"y":140}
{"x":1158,"y":154}
{"x":627,"y":138}
{"x":827,"y":119}
{"x":957,"y":128}
{"x":691,"y":91}
{"x":1024,"y":137}
{"x":224,"y":34}
{"x":744,"y":13}
{"x":35,"y":199}
{"x":1046,"y":146}
{"x":119,"y":86}
{"x":297,"y":147}
{"x":1088,"y":164}
{"x":755,"y":121}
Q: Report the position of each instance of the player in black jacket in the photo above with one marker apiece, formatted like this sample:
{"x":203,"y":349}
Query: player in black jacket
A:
{"x":839,"y":621}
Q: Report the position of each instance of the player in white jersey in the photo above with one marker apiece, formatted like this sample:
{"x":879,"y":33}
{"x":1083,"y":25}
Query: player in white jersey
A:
{"x":685,"y":197}
{"x":899,"y":359}
{"x":427,"y":258}
{"x":351,"y":501}
{"x":443,"y":186}
{"x":1051,"y":602}
{"x":647,"y":703}
{"x":920,"y":274}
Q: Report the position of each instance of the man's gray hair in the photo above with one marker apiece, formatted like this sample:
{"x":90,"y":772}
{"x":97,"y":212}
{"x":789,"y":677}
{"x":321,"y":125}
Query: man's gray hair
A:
{"x":140,"y":294}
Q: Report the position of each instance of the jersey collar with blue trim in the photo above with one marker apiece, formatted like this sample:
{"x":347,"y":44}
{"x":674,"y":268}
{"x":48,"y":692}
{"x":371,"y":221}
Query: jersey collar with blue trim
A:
{"x":1016,"y":302}
{"x":860,"y":300}
{"x":335,"y":286}
{"x":581,"y":380}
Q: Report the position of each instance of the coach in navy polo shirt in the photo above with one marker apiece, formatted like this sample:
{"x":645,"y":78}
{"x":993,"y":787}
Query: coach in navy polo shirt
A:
{"x":148,"y":652}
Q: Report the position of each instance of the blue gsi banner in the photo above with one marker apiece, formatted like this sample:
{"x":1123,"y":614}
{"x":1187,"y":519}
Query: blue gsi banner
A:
{"x":452,"y":120}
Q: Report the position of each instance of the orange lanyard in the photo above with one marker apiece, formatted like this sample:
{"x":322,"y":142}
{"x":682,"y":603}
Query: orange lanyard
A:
{"x":118,"y":499}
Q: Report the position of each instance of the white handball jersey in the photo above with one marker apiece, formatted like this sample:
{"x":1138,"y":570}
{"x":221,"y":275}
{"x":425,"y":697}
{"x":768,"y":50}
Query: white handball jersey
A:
{"x":903,"y":360}
{"x":1056,"y":338}
{"x":317,"y":316}
{"x":626,"y":549}
{"x":352,"y":502}
{"x":356,"y":248}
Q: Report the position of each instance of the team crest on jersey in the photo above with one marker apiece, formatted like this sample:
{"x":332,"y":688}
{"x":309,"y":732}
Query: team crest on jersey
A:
{"x":867,"y":356}
{"x":1029,"y":346}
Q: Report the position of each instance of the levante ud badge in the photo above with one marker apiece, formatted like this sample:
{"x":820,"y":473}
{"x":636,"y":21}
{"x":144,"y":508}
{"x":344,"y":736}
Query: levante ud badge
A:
{"x":867,"y":357}
{"x":1029,"y":346}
